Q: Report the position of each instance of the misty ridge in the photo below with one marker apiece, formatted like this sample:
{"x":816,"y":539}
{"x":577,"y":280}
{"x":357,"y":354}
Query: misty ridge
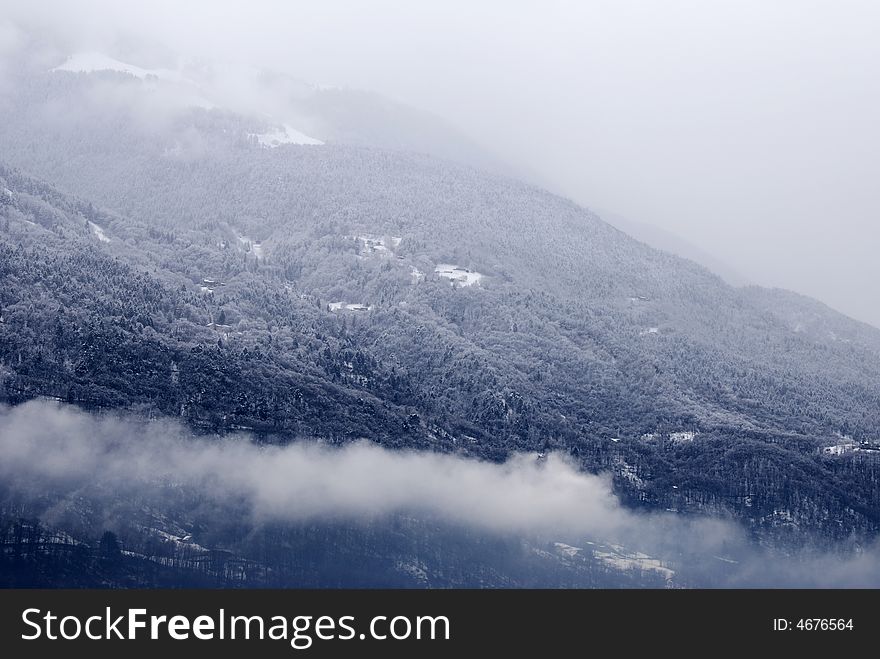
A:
{"x":744,"y":130}
{"x":84,"y":458}
{"x":264,"y":323}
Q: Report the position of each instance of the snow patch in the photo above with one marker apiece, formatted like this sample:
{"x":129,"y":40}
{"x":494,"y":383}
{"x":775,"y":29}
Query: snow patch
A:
{"x":621,"y":559}
{"x":459,"y":275}
{"x":339,"y":306}
{"x":840,"y":449}
{"x":835,"y":338}
{"x":567,"y":550}
{"x":99,"y":232}
{"x":284,"y":135}
{"x":372,"y":245}
{"x":94,"y":61}
{"x":255,"y":247}
{"x":629,"y":472}
{"x":415,"y":569}
{"x":185,"y":539}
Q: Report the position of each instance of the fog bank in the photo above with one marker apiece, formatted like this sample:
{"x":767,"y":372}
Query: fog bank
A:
{"x":60,"y":451}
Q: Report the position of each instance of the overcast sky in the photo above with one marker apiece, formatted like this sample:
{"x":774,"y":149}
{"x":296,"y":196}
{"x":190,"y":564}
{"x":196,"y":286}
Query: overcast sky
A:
{"x":749,"y":127}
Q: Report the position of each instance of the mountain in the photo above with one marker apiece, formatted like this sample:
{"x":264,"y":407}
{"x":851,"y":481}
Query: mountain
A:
{"x":669,"y":242}
{"x":276,"y":108}
{"x":171,"y":263}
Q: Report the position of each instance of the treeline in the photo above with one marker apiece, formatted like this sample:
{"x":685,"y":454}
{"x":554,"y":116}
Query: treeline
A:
{"x":398,"y":553}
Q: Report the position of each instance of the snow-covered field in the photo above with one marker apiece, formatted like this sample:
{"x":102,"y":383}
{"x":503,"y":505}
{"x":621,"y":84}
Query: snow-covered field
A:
{"x":618,"y":558}
{"x":840,"y":449}
{"x":99,"y":232}
{"x":372,"y":245}
{"x":459,"y":275}
{"x":339,"y":306}
{"x":679,"y":437}
{"x":621,"y":559}
{"x":285,"y":134}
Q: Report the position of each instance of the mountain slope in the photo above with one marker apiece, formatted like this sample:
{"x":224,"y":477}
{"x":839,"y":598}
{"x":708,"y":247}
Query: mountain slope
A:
{"x":669,"y":242}
{"x":530,"y":357}
{"x":344,"y":292}
{"x":276,"y":108}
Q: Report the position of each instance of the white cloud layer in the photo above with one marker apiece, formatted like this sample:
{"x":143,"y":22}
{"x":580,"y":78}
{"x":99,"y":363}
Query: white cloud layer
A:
{"x":48,"y":449}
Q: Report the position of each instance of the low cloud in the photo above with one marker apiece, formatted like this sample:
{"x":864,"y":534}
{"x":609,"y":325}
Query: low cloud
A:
{"x":52,"y":449}
{"x":62,"y":447}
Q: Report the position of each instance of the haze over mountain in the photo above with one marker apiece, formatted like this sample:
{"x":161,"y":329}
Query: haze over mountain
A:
{"x":296,"y":112}
{"x":745,"y":129}
{"x":669,"y":242}
{"x":307,"y":264}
